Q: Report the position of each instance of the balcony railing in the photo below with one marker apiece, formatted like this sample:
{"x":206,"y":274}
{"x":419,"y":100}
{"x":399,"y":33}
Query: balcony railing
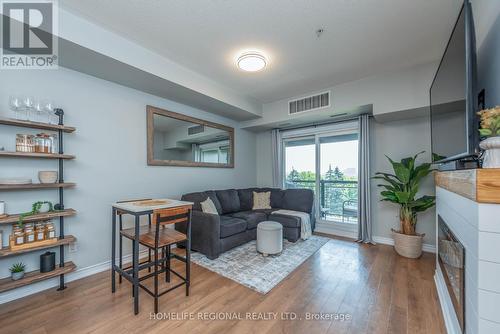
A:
{"x":338,"y":198}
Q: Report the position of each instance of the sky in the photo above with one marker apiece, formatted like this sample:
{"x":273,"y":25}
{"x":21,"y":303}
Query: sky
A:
{"x":341,"y":154}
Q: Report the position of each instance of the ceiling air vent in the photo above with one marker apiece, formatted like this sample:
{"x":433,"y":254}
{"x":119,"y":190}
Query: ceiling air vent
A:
{"x":196,"y":129}
{"x":309,"y":103}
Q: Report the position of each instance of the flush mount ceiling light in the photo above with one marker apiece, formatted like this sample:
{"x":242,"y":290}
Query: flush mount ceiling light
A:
{"x":251,"y":62}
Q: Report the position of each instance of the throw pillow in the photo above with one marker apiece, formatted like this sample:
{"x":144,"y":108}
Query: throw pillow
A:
{"x":261,"y":200}
{"x":208,"y":206}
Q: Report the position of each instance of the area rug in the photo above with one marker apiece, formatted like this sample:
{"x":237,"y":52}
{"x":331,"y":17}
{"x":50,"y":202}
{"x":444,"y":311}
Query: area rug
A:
{"x":247,"y":267}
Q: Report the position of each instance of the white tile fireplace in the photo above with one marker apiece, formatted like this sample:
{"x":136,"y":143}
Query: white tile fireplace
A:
{"x":476,"y":227}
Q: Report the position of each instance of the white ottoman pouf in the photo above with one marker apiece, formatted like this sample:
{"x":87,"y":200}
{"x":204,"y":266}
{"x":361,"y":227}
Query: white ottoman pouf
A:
{"x":269,"y":238}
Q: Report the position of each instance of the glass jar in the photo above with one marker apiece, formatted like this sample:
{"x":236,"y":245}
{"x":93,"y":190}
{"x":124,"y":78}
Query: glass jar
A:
{"x":18,"y":234}
{"x":53,"y":141}
{"x":25,"y":143}
{"x":43,"y":143}
{"x":39,"y":144}
{"x":29,"y":233}
{"x":39,"y":232}
{"x":50,"y":231}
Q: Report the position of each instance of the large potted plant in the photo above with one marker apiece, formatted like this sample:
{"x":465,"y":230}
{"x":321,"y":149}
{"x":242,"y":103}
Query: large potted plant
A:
{"x":401,"y":188}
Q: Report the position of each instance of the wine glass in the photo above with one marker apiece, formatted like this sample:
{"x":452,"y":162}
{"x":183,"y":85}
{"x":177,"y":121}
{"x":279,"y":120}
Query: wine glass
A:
{"x":15,"y":105}
{"x":39,"y":108}
{"x":49,"y":110}
{"x":28,"y":103}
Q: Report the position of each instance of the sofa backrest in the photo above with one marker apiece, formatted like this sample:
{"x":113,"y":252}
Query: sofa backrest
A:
{"x":202,"y":196}
{"x":298,"y":200}
{"x":229,"y":200}
{"x":232,"y":200}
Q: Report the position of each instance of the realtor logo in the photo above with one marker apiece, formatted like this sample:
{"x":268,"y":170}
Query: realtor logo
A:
{"x":29,"y":34}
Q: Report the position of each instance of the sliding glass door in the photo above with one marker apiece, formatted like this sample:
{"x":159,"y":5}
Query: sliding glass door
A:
{"x":325,"y":159}
{"x":338,"y":178}
{"x":300,"y":163}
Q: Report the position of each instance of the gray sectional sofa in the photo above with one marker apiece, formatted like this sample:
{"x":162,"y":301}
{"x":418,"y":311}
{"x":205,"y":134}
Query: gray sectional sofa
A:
{"x":236,"y":222}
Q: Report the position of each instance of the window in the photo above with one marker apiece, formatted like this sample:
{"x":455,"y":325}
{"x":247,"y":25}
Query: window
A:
{"x":325,"y":159}
{"x":216,"y":152}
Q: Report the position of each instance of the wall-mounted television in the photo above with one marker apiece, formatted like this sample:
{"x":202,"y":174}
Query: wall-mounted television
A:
{"x":453,"y":96}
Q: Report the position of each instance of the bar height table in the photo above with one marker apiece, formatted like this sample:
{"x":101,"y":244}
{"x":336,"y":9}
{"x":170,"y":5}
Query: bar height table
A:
{"x":135,"y":208}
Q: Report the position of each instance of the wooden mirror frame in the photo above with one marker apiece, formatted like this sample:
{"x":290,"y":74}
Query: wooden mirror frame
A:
{"x":151,"y":111}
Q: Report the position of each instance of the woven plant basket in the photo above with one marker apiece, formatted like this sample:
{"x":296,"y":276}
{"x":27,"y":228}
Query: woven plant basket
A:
{"x":408,"y":245}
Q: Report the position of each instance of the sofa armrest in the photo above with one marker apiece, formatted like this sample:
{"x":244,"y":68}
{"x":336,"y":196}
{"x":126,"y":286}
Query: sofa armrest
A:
{"x":205,"y":233}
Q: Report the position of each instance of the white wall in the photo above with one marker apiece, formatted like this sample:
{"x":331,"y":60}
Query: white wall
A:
{"x":398,"y":91}
{"x":398,"y":140}
{"x":77,"y":29}
{"x":110,"y":146}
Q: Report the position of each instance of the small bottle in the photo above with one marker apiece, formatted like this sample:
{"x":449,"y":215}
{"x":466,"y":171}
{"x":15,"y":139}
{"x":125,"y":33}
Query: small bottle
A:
{"x":39,"y":232}
{"x":50,"y":231}
{"x":18,"y":234}
{"x":29,"y":233}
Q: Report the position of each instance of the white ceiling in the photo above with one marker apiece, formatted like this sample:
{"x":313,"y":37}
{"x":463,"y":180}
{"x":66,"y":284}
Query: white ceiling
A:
{"x":361,"y":38}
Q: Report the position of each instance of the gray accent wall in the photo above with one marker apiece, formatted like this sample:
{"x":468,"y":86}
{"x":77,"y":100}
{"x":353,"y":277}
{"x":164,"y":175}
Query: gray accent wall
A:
{"x":397,"y":139}
{"x":487,"y":20}
{"x":110,"y":146}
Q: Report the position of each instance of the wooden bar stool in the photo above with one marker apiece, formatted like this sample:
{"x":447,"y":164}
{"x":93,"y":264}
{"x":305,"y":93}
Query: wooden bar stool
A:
{"x":158,"y":237}
{"x":120,"y":247}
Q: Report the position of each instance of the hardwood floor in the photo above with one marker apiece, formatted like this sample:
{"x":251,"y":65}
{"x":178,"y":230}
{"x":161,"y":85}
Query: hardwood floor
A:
{"x":381,"y":292}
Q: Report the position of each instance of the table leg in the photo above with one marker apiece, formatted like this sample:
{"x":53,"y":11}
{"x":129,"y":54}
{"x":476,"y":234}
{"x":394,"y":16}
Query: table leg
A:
{"x":113,"y":251}
{"x":120,"y":252}
{"x":136,"y":266}
{"x":188,"y":254}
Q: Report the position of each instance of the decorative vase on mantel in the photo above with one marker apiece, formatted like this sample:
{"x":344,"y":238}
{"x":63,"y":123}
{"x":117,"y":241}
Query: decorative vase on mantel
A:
{"x":490,"y":130}
{"x":491,"y":147}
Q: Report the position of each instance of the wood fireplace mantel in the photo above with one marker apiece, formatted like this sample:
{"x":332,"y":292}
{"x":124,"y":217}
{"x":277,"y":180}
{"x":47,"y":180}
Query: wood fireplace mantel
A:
{"x":479,"y":185}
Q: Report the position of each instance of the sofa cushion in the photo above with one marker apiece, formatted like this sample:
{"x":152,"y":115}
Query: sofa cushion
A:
{"x":276,"y":196}
{"x":196,"y":198}
{"x":213,"y":197}
{"x":229,"y":200}
{"x":298,"y":200}
{"x":251,"y":217}
{"x":208,"y":206}
{"x":246,"y":198}
{"x":267,"y":212}
{"x":285,"y":220}
{"x":230,"y":226}
{"x":261,"y":200}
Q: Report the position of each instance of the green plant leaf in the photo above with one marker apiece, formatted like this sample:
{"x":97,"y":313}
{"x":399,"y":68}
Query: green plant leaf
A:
{"x":402,"y":187}
{"x":485,"y":132}
{"x":389,"y":195}
{"x":388,"y":187}
{"x":423,"y":203}
{"x":402,"y":173}
{"x":402,"y":196}
{"x":394,"y":182}
{"x":17,"y":267}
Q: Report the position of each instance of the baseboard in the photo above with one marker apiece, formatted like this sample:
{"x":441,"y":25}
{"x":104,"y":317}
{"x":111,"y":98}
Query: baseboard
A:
{"x":54,"y":282}
{"x":389,"y":241}
{"x":334,"y":230}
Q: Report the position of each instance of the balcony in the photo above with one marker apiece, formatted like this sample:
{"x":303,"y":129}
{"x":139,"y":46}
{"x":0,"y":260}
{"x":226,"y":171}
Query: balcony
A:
{"x":338,"y":198}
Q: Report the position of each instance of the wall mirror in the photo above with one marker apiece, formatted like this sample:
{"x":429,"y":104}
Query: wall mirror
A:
{"x":179,"y":140}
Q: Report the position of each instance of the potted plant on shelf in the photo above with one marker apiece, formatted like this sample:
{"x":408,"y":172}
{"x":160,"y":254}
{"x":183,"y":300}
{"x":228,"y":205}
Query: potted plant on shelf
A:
{"x":17,"y":271}
{"x":490,"y":131}
{"x":401,"y":188}
{"x":36,"y":208}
